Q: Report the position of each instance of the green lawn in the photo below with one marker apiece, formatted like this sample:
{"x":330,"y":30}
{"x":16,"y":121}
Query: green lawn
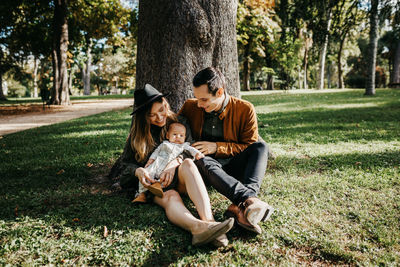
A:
{"x":334,"y":182}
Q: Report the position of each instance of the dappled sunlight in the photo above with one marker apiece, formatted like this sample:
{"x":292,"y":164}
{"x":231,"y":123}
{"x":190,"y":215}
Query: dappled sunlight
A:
{"x":309,"y":150}
{"x":96,"y":133}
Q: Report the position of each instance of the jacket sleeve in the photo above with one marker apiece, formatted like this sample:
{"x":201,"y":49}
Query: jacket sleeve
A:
{"x":247,"y":134}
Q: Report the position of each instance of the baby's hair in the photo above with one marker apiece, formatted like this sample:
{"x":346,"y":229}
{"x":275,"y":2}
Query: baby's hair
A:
{"x":176,"y":123}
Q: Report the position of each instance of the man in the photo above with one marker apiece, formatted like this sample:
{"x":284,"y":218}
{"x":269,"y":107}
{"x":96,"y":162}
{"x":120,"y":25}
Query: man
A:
{"x":226,"y":131}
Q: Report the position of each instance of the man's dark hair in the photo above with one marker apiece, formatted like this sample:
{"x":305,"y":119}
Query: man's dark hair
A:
{"x":212,"y":77}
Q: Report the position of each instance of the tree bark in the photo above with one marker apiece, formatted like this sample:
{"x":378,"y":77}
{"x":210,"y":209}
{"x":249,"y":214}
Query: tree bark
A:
{"x":87,"y":68}
{"x":35,"y":70}
{"x":340,"y":71}
{"x":396,"y":66}
{"x":305,"y":65}
{"x":55,"y":100}
{"x":322,"y":55}
{"x":60,"y":93}
{"x":270,"y":82}
{"x":2,"y":96}
{"x":372,"y":48}
{"x":176,"y":39}
{"x":246,"y":66}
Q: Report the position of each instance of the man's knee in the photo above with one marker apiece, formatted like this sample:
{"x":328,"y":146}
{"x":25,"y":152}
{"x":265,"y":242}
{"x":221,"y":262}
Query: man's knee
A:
{"x":205,"y":163}
{"x":260,"y":147}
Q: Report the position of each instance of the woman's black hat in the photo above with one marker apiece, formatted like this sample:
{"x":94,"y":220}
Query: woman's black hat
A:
{"x":146,"y":96}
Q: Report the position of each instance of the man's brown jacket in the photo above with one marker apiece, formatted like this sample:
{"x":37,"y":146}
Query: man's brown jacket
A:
{"x":240,"y":125}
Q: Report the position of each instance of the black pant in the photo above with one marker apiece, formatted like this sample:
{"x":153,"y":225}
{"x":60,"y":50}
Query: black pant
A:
{"x":239,"y":178}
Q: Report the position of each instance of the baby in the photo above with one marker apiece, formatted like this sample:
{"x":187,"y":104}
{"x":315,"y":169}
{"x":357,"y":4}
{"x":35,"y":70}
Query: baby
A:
{"x":167,"y":151}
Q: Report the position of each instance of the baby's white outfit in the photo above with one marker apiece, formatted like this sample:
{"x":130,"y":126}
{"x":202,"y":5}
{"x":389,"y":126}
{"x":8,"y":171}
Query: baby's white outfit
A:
{"x":164,"y":154}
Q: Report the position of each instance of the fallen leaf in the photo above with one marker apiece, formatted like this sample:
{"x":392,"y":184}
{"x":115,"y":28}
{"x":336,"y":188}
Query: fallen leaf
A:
{"x":105,"y":233}
{"x":60,"y":172}
{"x":89,"y":165}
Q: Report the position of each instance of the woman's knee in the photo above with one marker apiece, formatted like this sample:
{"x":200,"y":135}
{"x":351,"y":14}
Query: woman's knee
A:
{"x":171,"y":195}
{"x":188,"y":164}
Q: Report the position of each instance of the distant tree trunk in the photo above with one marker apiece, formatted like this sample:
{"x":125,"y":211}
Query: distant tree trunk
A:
{"x":2,"y":96}
{"x":270,"y":82}
{"x":87,"y":68}
{"x":176,"y":39}
{"x":396,"y":65}
{"x":340,"y":71}
{"x":60,"y":93}
{"x":55,"y":99}
{"x":322,"y":54}
{"x":305,"y":66}
{"x":372,"y":48}
{"x":246,"y":66}
{"x":35,"y":70}
{"x":329,"y":75}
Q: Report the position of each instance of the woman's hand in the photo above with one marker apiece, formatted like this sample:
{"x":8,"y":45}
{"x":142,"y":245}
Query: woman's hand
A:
{"x":144,"y":178}
{"x":167,"y":176}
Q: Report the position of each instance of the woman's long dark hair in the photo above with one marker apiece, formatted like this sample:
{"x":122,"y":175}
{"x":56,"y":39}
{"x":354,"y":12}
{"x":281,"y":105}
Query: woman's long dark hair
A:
{"x":142,"y":142}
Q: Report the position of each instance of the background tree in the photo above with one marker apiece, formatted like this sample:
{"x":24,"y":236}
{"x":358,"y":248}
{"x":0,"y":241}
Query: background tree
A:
{"x":176,"y":39}
{"x":96,"y":20}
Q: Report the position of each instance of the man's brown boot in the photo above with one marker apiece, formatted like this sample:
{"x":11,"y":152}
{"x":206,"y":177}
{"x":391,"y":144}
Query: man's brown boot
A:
{"x":256,"y":210}
{"x":156,"y":189}
{"x":238,"y":214}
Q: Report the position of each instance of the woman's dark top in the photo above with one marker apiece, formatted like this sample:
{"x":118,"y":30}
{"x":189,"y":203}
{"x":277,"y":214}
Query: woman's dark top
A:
{"x":128,"y":180}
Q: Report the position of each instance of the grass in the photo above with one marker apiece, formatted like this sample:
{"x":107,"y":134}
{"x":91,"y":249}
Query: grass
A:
{"x":35,"y":100}
{"x":334,"y":182}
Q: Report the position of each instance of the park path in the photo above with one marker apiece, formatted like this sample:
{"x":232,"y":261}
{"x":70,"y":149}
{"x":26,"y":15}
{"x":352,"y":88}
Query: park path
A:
{"x":80,"y":108}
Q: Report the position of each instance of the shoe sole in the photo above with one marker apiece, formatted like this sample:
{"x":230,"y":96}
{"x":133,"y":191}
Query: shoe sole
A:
{"x":156,"y":192}
{"x":254,"y":229}
{"x":220,"y":229}
{"x":259,"y":214}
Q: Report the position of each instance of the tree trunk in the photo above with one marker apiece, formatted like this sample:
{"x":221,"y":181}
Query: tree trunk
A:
{"x":246,"y":66}
{"x":87,"y":68}
{"x":322,"y":55}
{"x":2,"y":96}
{"x":305,"y":66}
{"x":270,"y":82}
{"x":176,"y":39}
{"x":35,"y":70}
{"x":340,"y":71}
{"x":372,"y":48}
{"x":60,"y":93}
{"x":55,"y":100}
{"x":396,"y":66}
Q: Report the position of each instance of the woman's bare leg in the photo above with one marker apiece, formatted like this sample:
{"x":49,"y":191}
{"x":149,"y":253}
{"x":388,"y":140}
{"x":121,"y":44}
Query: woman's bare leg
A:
{"x":190,"y":177}
{"x":178,"y":214}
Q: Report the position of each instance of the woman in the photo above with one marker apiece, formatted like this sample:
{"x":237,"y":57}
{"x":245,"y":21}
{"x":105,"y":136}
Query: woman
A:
{"x":152,"y":117}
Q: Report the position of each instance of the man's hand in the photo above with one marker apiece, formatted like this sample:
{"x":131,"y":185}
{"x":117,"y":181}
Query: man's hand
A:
{"x":207,"y":148}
